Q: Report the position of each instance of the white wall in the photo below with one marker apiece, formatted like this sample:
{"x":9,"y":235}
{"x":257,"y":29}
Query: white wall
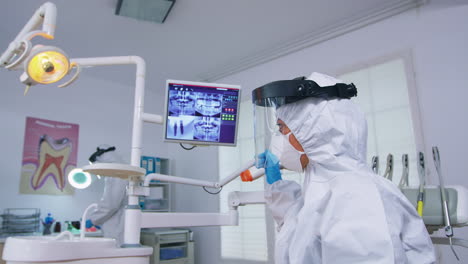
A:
{"x":104,"y":112}
{"x":436,"y":36}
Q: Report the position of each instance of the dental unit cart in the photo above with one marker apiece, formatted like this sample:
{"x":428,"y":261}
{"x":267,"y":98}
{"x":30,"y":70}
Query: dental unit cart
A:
{"x":169,"y":246}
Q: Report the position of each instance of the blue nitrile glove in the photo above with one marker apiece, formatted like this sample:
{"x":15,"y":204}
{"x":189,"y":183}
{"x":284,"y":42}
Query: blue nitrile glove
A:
{"x":260,"y":160}
{"x":270,"y":162}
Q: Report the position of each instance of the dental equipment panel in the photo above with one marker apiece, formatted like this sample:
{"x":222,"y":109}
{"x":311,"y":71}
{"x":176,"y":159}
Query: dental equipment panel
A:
{"x":201,"y":113}
{"x":439,"y":206}
{"x":429,"y":200}
{"x":457,"y":197}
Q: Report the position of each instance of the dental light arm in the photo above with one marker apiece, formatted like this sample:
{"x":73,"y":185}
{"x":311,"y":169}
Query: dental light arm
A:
{"x":138,"y":115}
{"x":45,"y":14}
{"x":133,"y":215}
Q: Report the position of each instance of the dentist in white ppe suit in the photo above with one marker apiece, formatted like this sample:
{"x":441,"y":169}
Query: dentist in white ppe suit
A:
{"x":109,"y":214}
{"x":343,"y":213}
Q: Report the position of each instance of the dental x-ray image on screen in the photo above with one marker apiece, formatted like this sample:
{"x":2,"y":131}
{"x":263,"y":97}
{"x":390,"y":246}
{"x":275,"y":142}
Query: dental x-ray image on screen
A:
{"x":201,"y":113}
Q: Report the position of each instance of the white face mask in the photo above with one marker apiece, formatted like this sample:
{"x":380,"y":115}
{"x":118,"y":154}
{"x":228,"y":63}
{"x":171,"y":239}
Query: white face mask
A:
{"x":290,"y":158}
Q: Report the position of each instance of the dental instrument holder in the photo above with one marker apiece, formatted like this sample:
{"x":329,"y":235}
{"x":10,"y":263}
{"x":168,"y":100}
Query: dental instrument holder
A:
{"x":389,"y":170}
{"x":375,"y":164}
{"x":422,"y":183}
{"x":448,"y":227}
{"x":405,"y":175}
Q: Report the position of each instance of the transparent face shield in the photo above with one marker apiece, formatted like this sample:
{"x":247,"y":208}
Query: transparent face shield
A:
{"x":265,"y":125}
{"x":269,"y":97}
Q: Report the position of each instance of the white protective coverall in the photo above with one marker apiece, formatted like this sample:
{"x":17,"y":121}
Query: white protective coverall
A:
{"x":344,"y":213}
{"x":109,"y":214}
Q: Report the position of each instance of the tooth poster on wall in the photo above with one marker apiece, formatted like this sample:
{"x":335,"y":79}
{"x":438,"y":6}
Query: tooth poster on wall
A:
{"x":49,"y":153}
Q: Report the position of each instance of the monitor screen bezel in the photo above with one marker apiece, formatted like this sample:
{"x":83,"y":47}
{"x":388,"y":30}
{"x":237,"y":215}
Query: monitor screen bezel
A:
{"x":206,"y":84}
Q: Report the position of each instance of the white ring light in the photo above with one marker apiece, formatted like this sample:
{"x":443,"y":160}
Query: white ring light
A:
{"x":79,"y":179}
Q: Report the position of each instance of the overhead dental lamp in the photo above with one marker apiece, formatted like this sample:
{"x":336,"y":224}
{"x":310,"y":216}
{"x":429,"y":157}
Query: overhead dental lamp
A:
{"x":41,"y":64}
{"x":44,"y":65}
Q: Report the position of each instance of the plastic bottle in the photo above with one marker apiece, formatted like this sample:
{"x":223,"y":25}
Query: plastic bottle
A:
{"x":47,"y":223}
{"x":48,"y":219}
{"x":57,"y":227}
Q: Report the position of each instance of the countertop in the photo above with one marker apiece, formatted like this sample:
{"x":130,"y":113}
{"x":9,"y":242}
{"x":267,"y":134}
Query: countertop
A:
{"x":87,"y":234}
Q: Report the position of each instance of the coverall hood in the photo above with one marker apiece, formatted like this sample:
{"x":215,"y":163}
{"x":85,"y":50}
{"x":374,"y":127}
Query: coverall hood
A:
{"x":333,"y":133}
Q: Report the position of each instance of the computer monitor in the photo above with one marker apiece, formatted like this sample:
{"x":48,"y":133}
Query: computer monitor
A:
{"x":201,"y":113}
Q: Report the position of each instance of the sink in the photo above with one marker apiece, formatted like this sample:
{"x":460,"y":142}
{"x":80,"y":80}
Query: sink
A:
{"x":37,"y":249}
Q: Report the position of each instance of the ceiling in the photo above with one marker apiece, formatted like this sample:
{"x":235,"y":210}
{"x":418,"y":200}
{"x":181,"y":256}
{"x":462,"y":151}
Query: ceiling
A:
{"x":202,"y":39}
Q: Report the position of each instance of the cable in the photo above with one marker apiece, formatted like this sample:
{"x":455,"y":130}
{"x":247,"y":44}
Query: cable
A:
{"x":186,"y":147}
{"x":220,"y":189}
{"x":448,"y":226}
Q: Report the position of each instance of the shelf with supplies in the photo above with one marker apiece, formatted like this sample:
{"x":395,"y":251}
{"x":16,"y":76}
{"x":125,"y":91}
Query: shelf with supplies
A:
{"x":159,"y":199}
{"x":20,"y":221}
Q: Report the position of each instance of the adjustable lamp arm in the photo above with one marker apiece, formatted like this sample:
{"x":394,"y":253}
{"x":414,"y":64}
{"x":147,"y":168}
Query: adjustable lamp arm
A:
{"x":45,"y":14}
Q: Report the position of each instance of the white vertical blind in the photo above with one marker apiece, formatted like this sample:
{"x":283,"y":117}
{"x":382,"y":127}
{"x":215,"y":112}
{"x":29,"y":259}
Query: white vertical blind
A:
{"x":248,"y":241}
{"x":383,"y":95}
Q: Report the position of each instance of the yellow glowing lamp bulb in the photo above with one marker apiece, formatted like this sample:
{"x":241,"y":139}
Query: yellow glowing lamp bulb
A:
{"x":47,"y":65}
